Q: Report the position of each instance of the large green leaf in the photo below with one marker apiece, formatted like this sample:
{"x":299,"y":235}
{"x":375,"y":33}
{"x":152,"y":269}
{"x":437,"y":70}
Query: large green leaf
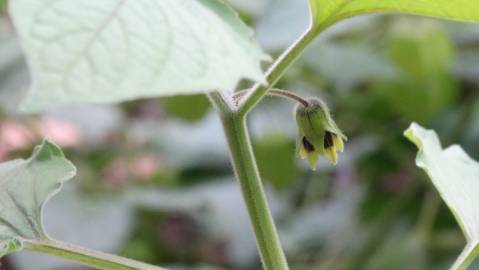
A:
{"x":456,"y":177}
{"x":327,"y":12}
{"x":114,"y":50}
{"x":25,"y":187}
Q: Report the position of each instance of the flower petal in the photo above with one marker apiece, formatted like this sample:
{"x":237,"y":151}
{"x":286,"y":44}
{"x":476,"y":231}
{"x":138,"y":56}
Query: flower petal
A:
{"x":331,"y":154}
{"x":338,"y":143}
{"x":313,"y":159}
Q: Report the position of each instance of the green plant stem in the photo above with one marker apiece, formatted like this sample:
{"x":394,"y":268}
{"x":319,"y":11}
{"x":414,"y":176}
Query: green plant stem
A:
{"x":276,"y":71}
{"x":233,"y":119}
{"x":86,"y":257}
{"x":246,"y":171}
{"x":277,"y":93}
{"x":470,"y":252}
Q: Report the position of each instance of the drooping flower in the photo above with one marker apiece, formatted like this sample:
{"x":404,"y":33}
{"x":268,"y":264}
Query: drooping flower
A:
{"x":318,"y":133}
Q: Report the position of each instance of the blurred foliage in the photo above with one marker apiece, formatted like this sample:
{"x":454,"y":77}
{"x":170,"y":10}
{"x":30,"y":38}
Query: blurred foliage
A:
{"x":422,"y":52}
{"x":276,"y":159}
{"x":176,"y":235}
{"x":3,"y":6}
{"x":189,"y":108}
{"x":372,"y":211}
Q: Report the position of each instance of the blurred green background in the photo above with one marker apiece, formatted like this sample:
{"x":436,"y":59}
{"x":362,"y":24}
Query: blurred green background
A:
{"x":154,"y":180}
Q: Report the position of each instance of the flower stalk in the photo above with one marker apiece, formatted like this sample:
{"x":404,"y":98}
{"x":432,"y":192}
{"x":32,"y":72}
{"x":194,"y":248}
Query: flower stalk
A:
{"x":274,"y":92}
{"x":276,"y":71}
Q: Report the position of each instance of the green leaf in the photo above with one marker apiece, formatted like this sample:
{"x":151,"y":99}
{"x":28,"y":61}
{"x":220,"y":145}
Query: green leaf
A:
{"x":327,"y":12}
{"x":456,"y":177}
{"x":25,"y":187}
{"x":115,"y":50}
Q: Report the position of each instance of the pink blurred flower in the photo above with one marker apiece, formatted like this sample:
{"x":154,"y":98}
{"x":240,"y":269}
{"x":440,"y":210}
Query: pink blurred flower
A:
{"x":3,"y":154}
{"x":15,"y":136}
{"x":62,"y":133}
{"x":145,"y":165}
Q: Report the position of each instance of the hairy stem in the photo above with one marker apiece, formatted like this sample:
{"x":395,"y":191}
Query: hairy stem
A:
{"x":246,"y":171}
{"x":277,"y":93}
{"x":276,"y":71}
{"x":233,"y":119}
{"x":86,"y":257}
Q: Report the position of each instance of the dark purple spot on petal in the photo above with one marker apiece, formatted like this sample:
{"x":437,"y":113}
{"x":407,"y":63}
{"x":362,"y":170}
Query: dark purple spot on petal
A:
{"x":328,"y":139}
{"x":307,"y":145}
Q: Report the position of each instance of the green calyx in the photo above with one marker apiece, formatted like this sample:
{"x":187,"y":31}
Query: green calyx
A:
{"x":318,"y":133}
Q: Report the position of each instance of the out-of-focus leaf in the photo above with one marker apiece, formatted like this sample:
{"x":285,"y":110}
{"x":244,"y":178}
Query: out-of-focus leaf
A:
{"x":110,"y":51}
{"x":423,"y":54}
{"x":189,"y":108}
{"x":327,"y":12}
{"x":276,"y":159}
{"x":418,"y":100}
{"x":456,"y":177}
{"x":420,"y":47}
{"x":25,"y":187}
{"x":3,"y":6}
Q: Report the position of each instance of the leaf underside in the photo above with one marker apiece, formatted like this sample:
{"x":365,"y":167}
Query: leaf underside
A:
{"x":456,"y":176}
{"x":115,"y":50}
{"x":25,"y":187}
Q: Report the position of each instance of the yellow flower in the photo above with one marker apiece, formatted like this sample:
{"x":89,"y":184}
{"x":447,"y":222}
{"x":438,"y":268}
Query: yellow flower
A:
{"x":318,"y":133}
